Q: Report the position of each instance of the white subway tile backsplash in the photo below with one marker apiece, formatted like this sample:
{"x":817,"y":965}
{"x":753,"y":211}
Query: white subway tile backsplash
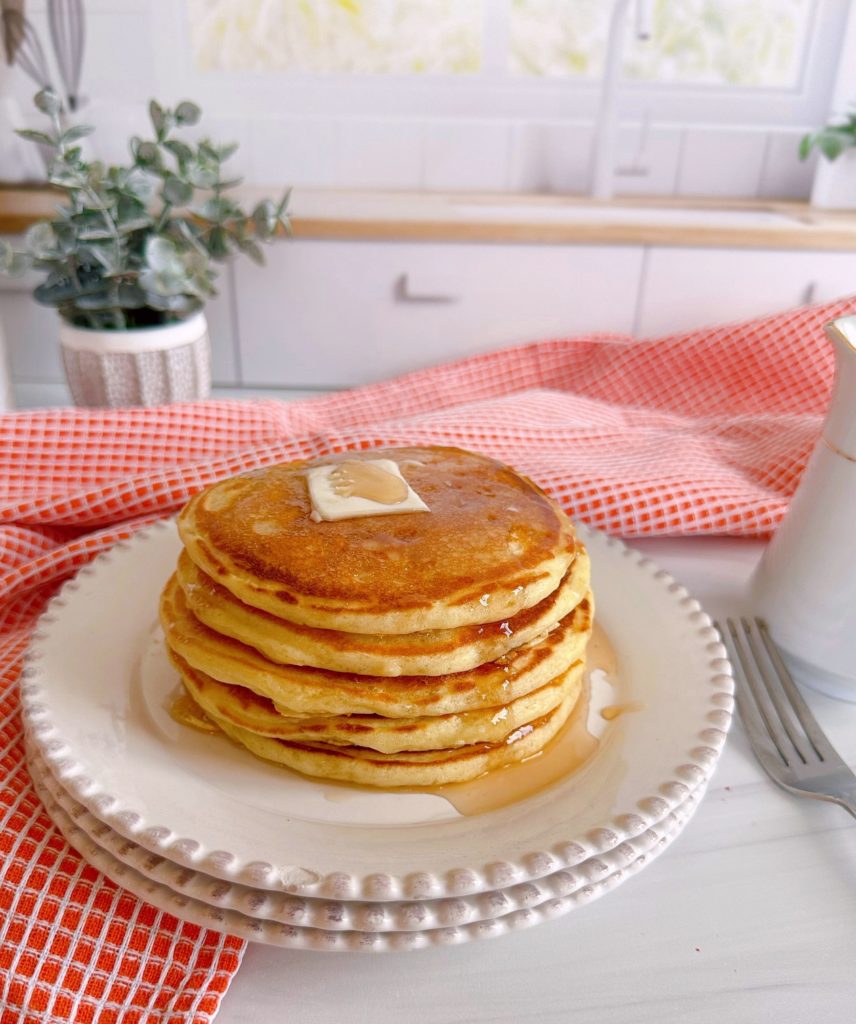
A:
{"x":466,"y":155}
{"x":721,"y":162}
{"x":785,"y":176}
{"x":526,"y":158}
{"x":295,"y":151}
{"x":552,"y":156}
{"x":381,"y":153}
{"x":647,"y":160}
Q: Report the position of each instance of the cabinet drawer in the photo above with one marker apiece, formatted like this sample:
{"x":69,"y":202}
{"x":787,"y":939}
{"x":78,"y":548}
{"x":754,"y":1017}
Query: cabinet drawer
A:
{"x":690,"y":288}
{"x":339,"y":314}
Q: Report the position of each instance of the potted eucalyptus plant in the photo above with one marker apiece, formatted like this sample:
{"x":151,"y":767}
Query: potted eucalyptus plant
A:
{"x":834,"y":184}
{"x":130,"y":256}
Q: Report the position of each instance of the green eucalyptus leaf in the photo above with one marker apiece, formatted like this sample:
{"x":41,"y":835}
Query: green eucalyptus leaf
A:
{"x":161,"y":253}
{"x":40,"y":240}
{"x":148,"y":154}
{"x":104,"y":298}
{"x":203,"y":175}
{"x":12,"y":262}
{"x":218,"y":244}
{"x":134,"y":224}
{"x":64,"y":177}
{"x":213,"y":209}
{"x":831,"y":144}
{"x":104,"y":254}
{"x":131,"y":215}
{"x":34,"y":136}
{"x":139,"y":184}
{"x":61,"y":286}
{"x":97,"y":172}
{"x":157,"y":116}
{"x":180,"y":150}
{"x":176,"y":191}
{"x":227,"y":150}
{"x":209,"y":152}
{"x":95,"y":234}
{"x":254,"y":251}
{"x":77,"y":131}
{"x":187,"y":113}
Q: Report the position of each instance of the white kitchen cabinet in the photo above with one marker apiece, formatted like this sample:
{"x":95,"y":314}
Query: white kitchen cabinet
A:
{"x":336,"y":314}
{"x":688,"y":288}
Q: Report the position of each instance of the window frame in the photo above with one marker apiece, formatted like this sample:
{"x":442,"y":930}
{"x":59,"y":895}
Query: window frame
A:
{"x":497,"y":94}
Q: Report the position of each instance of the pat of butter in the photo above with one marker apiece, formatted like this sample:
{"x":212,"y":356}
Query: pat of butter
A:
{"x":350,"y":489}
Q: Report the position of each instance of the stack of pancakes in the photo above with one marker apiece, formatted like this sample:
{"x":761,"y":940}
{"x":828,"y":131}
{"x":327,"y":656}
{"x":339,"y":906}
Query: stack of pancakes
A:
{"x":412,"y":649}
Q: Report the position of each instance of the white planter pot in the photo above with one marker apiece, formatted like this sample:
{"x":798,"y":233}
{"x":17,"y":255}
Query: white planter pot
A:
{"x":834,"y":185}
{"x":150,"y":366}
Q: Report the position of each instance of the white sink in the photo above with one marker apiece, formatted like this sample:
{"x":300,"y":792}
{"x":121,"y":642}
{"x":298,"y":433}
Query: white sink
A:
{"x":667,"y":215}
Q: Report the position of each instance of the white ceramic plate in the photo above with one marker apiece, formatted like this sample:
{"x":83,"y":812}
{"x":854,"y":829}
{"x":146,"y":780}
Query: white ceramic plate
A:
{"x":346,"y":915}
{"x":293,"y":936}
{"x":94,"y":684}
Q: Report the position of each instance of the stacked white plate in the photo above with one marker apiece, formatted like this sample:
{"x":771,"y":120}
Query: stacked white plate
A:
{"x":200,"y":828}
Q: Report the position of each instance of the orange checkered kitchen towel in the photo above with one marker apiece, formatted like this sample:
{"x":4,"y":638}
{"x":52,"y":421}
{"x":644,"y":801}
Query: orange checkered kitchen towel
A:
{"x":698,"y":433}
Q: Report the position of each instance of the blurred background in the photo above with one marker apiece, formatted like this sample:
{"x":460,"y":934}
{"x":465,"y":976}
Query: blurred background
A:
{"x":672,"y":128}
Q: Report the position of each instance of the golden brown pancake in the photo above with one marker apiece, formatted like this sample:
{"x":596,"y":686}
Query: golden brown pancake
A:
{"x":430,"y":652}
{"x":492,"y":545}
{"x":249,"y":711}
{"x":407,"y":768}
{"x":300,"y":690}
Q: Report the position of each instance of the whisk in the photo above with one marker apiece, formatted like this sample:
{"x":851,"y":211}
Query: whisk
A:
{"x":66,"y":22}
{"x":23,"y":46}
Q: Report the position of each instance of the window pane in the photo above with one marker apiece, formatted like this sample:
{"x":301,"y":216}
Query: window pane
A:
{"x":357,"y":36}
{"x":742,"y":43}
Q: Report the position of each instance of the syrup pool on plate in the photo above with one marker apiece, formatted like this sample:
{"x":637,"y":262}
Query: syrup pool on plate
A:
{"x":574,"y":745}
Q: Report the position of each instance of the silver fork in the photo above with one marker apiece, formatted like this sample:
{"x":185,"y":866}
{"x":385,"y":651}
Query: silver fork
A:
{"x":784,"y":734}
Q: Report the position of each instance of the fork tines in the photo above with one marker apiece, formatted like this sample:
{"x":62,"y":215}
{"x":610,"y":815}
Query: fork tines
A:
{"x":780,"y":706}
{"x":784,"y":734}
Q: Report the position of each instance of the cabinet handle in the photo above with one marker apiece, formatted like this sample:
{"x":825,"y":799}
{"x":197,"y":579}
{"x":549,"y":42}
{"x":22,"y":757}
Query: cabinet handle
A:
{"x":810,"y":293}
{"x":423,"y":288}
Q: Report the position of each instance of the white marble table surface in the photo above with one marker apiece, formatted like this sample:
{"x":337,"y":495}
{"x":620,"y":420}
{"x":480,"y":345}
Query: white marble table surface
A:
{"x":750,"y":916}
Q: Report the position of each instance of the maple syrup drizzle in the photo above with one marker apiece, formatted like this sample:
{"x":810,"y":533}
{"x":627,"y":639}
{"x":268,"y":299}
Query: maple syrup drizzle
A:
{"x":566,"y":753}
{"x":183,"y":709}
{"x":612,"y":711}
{"x":368,"y":480}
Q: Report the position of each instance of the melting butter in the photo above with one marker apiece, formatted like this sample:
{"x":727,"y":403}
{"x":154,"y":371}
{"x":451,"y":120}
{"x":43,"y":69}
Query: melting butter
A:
{"x":368,"y":480}
{"x":360,"y":487}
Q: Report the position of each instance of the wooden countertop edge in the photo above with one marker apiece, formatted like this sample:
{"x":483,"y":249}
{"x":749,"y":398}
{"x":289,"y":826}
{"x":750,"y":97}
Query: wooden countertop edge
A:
{"x":805,"y":237}
{"x":809,"y":228}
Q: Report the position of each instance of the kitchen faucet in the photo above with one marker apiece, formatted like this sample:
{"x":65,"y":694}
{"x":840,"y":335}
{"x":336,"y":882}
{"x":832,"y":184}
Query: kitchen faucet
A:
{"x":603,"y":155}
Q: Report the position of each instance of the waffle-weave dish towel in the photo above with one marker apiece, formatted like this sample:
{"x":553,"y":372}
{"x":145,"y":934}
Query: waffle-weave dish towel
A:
{"x":698,"y":433}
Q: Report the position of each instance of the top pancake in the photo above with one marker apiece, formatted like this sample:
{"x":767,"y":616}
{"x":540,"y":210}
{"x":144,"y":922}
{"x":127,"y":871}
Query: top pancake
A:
{"x":492,"y":545}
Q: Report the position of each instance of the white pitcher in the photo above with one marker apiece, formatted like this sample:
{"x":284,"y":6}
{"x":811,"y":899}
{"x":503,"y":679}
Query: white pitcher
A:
{"x":805,"y":585}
